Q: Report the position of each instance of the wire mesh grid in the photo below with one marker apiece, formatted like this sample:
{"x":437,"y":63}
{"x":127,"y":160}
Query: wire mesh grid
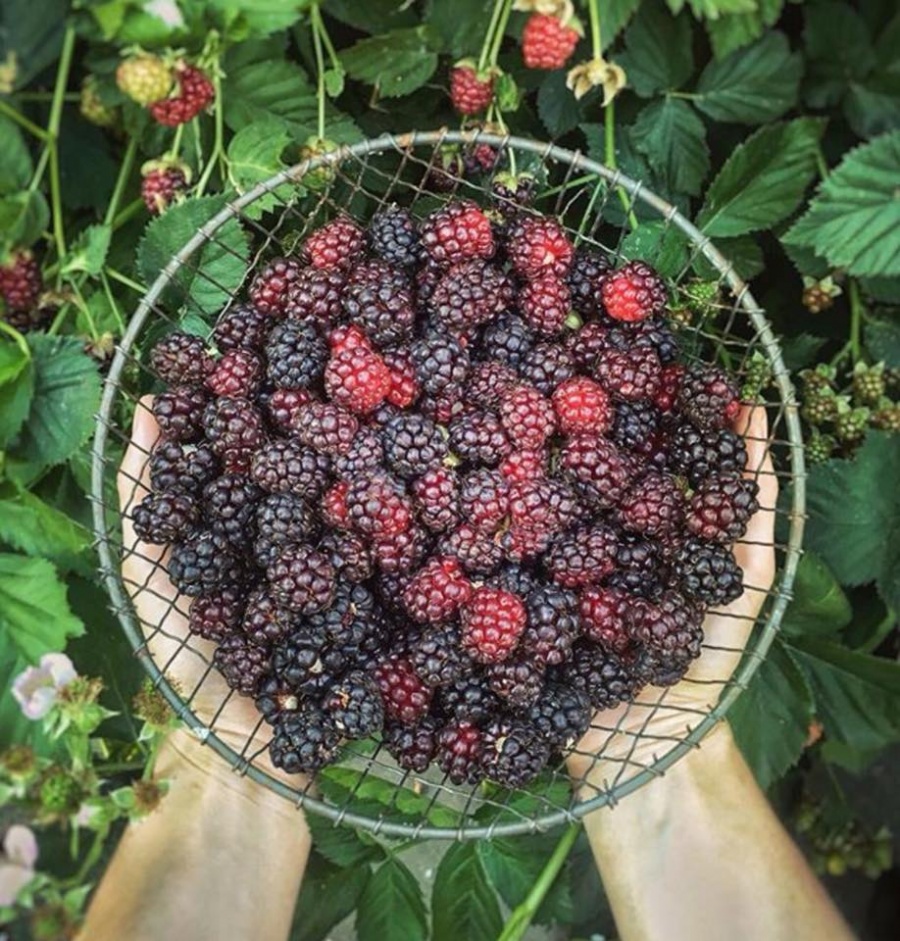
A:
{"x":631,"y":745}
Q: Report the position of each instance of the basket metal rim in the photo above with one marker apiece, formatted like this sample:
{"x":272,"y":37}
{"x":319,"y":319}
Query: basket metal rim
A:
{"x":743,"y":297}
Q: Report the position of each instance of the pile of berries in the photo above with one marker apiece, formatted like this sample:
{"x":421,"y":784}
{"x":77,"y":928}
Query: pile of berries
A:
{"x":445,"y":482}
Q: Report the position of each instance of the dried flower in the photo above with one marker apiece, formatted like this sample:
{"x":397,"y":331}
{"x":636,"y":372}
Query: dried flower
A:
{"x":596,"y":73}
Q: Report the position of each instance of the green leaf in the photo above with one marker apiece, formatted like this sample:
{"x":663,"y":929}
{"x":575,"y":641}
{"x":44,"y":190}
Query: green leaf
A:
{"x":614,"y":17}
{"x":16,"y":389}
{"x":742,"y":251}
{"x":64,"y":401}
{"x":819,"y":605}
{"x":391,"y":907}
{"x":462,"y":903}
{"x":212,"y":274}
{"x":713,"y":9}
{"x":326,"y":901}
{"x":373,"y":15}
{"x":770,"y":719}
{"x":763,"y":180}
{"x":36,"y":528}
{"x":33,"y":607}
{"x":752,"y":85}
{"x":261,"y":17}
{"x":33,"y":32}
{"x":460,"y":24}
{"x":801,"y":350}
{"x":854,"y":515}
{"x":342,"y":845}
{"x":740,"y":29}
{"x":664,"y":243}
{"x":673,"y":139}
{"x":88,"y":254}
{"x":254,"y":155}
{"x":857,"y":695}
{"x":838,"y":51}
{"x":557,"y":108}
{"x":23,"y":219}
{"x":873,"y":107}
{"x":883,"y":341}
{"x":658,"y":51}
{"x":15,"y":160}
{"x":854,"y":220}
{"x":397,"y":63}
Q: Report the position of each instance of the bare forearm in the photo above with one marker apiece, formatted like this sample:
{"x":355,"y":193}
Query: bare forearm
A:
{"x":219,"y":858}
{"x":699,"y":854}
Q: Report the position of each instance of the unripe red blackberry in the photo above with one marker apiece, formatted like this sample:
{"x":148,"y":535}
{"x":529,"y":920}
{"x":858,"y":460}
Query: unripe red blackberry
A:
{"x":21,"y":283}
{"x":237,"y":373}
{"x":161,"y":184}
{"x":339,"y":244}
{"x":528,"y":417}
{"x":270,"y":289}
{"x":634,"y":292}
{"x":470,"y":294}
{"x":548,"y":42}
{"x":194,"y":93}
{"x":459,"y":751}
{"x":457,"y":232}
{"x":538,"y":245}
{"x":492,"y":622}
{"x":470,"y":91}
{"x":406,"y":697}
{"x":181,"y":359}
{"x":544,"y":303}
{"x":653,"y":505}
{"x":581,"y":405}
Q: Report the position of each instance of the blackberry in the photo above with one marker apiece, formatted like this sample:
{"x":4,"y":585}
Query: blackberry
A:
{"x":445,"y":406}
{"x":544,"y":303}
{"x":479,"y":438}
{"x":216,"y":615}
{"x":178,"y":466}
{"x":406,"y":697}
{"x":354,"y":705}
{"x":457,"y":232}
{"x":477,"y":553}
{"x":519,"y":682}
{"x":508,"y":339}
{"x":582,"y":406}
{"x":402,"y":552}
{"x":305,"y":661}
{"x":404,"y":386}
{"x":597,"y":468}
{"x":348,"y":620}
{"x":378,"y":298}
{"x":242,"y":663}
{"x":181,"y":359}
{"x":161,"y":518}
{"x":296,"y":355}
{"x":394,"y":236}
{"x":179,"y":412}
{"x":229,"y":504}
{"x":546,"y":366}
{"x":365,"y":454}
{"x":411,"y":746}
{"x":516,"y":579}
{"x":377,"y":506}
{"x":484,"y":499}
{"x":513,"y":752}
{"x":326,"y":428}
{"x":653,"y":505}
{"x":440,"y":362}
{"x":629,"y":374}
{"x":585,"y":279}
{"x":527,"y":416}
{"x":492,"y":622}
{"x":233,"y":424}
{"x":281,"y":519}
{"x":510,"y":194}
{"x":552,"y":625}
{"x":542,"y":506}
{"x":333,"y":510}
{"x":634,"y":425}
{"x":281,"y":406}
{"x":721,"y":507}
{"x":561,"y":716}
{"x":600,"y":675}
{"x":640,"y":565}
{"x":487,"y":382}
{"x":655,"y":333}
{"x":670,"y":627}
{"x":587,"y":343}
{"x":269,"y":290}
{"x":304,"y":740}
{"x":538,"y":245}
{"x":237,"y":373}
{"x":412,"y":444}
{"x":302,"y":579}
{"x":634,"y":292}
{"x":708,"y":397}
{"x":265,"y":622}
{"x":274,"y":699}
{"x":436,"y":494}
{"x":21,"y":284}
{"x":459,"y":751}
{"x":468,"y":295}
{"x":337,"y":244}
{"x":286,"y":466}
{"x":349,"y":555}
{"x":696,"y":454}
{"x":707,"y":573}
{"x":437,"y":658}
{"x":242,"y":328}
{"x":583,"y":556}
{"x":316,"y":296}
{"x":203,"y":562}
{"x":604,"y":614}
{"x":436,"y":591}
{"x":467,"y":700}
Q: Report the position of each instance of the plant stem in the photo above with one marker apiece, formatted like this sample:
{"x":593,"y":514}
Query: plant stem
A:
{"x":23,"y":122}
{"x":62,"y":78}
{"x":596,"y":43}
{"x":16,"y":337}
{"x":489,"y":35}
{"x":856,"y":316}
{"x":124,"y":279}
{"x":329,"y":45}
{"x":609,"y":137}
{"x":523,"y":914}
{"x":506,"y":9}
{"x":316,"y":23}
{"x":121,"y":181}
{"x":176,"y":142}
{"x":131,"y":210}
{"x":111,"y":300}
{"x":219,"y":143}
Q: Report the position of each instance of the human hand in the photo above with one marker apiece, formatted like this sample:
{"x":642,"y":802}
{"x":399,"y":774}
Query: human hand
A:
{"x":184,"y":658}
{"x":628,"y":738}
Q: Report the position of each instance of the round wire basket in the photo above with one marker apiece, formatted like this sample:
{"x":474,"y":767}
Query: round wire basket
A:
{"x":367,"y":788}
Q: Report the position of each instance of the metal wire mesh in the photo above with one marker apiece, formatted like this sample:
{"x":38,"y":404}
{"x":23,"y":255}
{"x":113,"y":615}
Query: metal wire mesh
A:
{"x":367,"y":789}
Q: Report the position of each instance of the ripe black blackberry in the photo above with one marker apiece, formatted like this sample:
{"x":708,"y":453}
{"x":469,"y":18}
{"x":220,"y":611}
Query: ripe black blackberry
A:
{"x":603,"y":677}
{"x":242,"y":328}
{"x":671,"y":626}
{"x":709,"y":397}
{"x":412,"y":444}
{"x":721,"y":507}
{"x":203,"y":562}
{"x":242,"y":663}
{"x":296,"y":354}
{"x":484,"y":499}
{"x":280,"y":520}
{"x":306,"y":661}
{"x":366,"y":453}
{"x":163,"y":517}
{"x":585,"y":279}
{"x":653,"y":505}
{"x":326,"y":428}
{"x":479,"y":438}
{"x":440,"y":362}
{"x":583,"y":556}
{"x":394,"y":236}
{"x":707,"y":573}
{"x":507,"y":339}
{"x":459,"y":752}
{"x":468,"y":700}
{"x":377,"y":505}
{"x":553,"y":625}
{"x":349,"y":555}
{"x":181,"y":359}
{"x":640,"y":566}
{"x":269,"y":289}
{"x":304,"y":740}
{"x":436,"y":495}
{"x":468,"y":295}
{"x":546,"y":366}
{"x":401,"y":553}
{"x":477,"y":552}
{"x":437,"y":658}
{"x":216,"y":615}
{"x":274,"y":699}
{"x":513,"y":752}
{"x":302,"y":579}
{"x":354,"y":705}
{"x":229,"y":504}
{"x":629,"y":374}
{"x":348,"y":620}
{"x":516,"y":579}
{"x":316,"y":295}
{"x":265,"y":622}
{"x":179,"y":412}
{"x":286,"y":466}
{"x":175,"y":465}
{"x":597,"y":468}
{"x":696,"y":454}
{"x":654,"y":332}
{"x":634,"y":425}
{"x":379,"y":299}
{"x":519,"y":681}
{"x":411,"y":746}
{"x":486,"y":383}
{"x":561,"y":716}
{"x":233,"y":424}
